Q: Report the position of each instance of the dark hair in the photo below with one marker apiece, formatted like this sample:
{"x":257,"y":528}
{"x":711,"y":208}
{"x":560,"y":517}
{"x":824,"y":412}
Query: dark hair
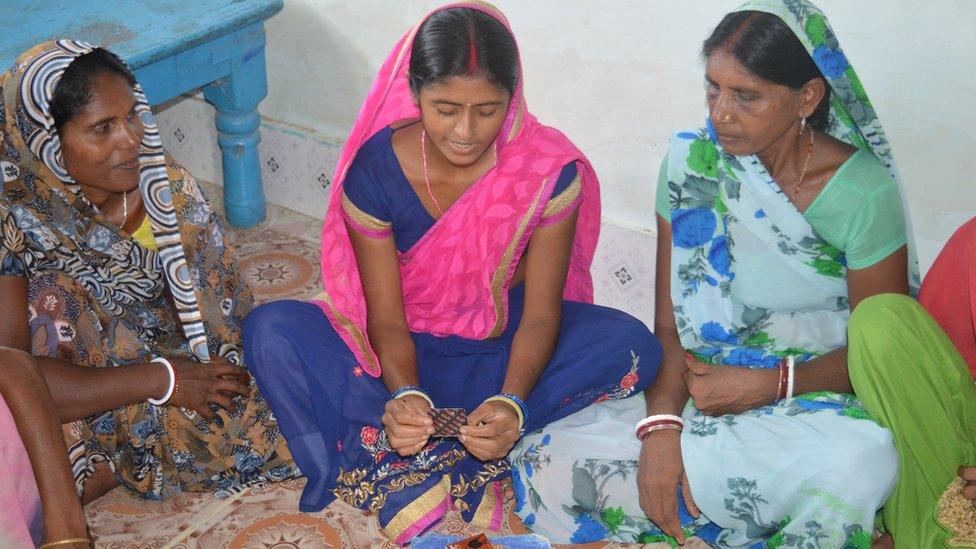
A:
{"x":74,"y":90}
{"x":462,"y":41}
{"x":767,"y":48}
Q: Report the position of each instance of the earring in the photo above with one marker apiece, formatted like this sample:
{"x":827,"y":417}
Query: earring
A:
{"x":803,"y":125}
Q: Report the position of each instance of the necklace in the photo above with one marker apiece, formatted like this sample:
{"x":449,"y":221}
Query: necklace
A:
{"x":803,"y":172}
{"x":423,"y":155}
{"x":125,"y":208}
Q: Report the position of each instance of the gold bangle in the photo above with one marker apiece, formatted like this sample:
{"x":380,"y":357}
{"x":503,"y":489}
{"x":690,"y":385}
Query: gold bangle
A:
{"x":68,"y":541}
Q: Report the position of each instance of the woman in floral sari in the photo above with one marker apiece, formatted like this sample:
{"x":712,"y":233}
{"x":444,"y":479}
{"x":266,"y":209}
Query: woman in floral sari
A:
{"x":115,"y":276}
{"x":456,"y":255}
{"x":775,"y":221}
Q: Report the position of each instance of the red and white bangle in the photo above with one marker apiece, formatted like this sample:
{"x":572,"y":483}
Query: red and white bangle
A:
{"x":173,"y":382}
{"x":787,"y":369}
{"x":791,"y":368}
{"x":657,"y":422}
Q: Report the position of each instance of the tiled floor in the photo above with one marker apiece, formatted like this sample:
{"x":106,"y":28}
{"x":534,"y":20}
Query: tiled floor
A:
{"x":279,"y":258}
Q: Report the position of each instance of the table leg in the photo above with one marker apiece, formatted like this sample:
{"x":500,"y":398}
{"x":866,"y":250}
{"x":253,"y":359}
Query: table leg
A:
{"x":236,"y":100}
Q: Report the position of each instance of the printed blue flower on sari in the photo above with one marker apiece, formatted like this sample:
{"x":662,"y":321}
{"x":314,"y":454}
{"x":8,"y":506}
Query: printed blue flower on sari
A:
{"x":519,"y":487}
{"x":713,"y":331}
{"x":711,"y":130}
{"x":718,"y":256}
{"x":692,"y":228}
{"x":589,"y":529}
{"x":708,"y":351}
{"x":832,"y":63}
{"x":750,"y":356}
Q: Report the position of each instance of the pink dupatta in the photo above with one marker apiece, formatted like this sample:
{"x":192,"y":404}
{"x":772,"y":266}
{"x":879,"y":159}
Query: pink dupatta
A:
{"x":456,"y":278}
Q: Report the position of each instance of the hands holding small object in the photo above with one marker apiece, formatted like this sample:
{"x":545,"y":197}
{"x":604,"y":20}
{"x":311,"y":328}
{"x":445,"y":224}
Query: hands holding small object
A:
{"x":489,"y":432}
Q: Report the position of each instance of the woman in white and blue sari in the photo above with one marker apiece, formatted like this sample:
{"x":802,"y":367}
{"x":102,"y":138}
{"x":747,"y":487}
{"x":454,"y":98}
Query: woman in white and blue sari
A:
{"x":774,"y":222}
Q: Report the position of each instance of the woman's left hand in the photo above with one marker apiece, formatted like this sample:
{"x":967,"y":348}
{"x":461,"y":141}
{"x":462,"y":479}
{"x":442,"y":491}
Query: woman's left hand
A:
{"x":968,"y":474}
{"x":492,"y":430}
{"x":720,"y":390}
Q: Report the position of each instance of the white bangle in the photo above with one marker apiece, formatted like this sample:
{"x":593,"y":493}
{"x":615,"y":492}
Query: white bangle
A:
{"x":172,"y":381}
{"x":657,"y":417}
{"x":790,"y":369}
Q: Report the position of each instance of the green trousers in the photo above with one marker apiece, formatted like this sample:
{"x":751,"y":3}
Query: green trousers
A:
{"x":912,"y":380}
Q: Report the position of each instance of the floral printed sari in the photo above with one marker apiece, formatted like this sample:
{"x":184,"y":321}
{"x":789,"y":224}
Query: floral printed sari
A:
{"x":751,"y":282}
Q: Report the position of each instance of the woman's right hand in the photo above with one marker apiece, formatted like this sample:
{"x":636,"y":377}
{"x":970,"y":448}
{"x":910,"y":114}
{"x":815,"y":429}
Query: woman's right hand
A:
{"x":407,"y":424}
{"x":203,"y":384}
{"x":660,"y":471}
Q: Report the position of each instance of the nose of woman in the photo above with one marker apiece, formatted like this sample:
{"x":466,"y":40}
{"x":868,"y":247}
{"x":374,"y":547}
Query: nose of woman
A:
{"x":465,"y":128}
{"x":130,"y":134}
{"x":719,"y":109}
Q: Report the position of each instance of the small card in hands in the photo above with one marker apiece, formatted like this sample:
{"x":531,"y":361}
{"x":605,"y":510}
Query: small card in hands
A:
{"x":447,"y":421}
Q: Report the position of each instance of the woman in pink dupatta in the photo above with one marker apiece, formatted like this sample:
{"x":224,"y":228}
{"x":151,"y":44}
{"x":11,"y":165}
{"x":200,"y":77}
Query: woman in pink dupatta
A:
{"x":456,"y":256}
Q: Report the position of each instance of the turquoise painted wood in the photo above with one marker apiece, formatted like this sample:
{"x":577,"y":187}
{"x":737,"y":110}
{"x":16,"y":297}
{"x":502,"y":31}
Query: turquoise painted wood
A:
{"x":174,"y":46}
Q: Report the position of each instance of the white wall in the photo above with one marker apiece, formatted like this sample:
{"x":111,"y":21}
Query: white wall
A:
{"x":618,"y":77}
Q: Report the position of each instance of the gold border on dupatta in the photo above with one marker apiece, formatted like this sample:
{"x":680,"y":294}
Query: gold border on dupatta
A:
{"x":498,"y":279}
{"x":565,"y":198}
{"x":356,"y":333}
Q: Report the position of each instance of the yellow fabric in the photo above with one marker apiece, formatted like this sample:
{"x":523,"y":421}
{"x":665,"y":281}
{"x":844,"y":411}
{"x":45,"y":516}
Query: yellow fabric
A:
{"x":144,"y":235}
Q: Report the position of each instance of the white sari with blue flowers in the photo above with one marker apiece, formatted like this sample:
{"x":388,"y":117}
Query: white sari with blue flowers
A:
{"x":751,"y":281}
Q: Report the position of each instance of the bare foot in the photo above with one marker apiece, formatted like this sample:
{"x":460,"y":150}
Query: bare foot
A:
{"x":508,"y":491}
{"x":884,"y":542}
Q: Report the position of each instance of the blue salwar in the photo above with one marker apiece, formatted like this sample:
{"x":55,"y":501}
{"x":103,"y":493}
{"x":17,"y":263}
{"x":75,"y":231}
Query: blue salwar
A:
{"x":329,"y":409}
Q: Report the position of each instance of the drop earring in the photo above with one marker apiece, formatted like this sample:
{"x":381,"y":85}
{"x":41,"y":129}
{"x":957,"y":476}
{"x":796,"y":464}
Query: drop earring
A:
{"x":803,"y":125}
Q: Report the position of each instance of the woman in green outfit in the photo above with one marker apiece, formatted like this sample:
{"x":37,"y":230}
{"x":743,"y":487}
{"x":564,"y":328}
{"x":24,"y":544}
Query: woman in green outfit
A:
{"x":775,"y":221}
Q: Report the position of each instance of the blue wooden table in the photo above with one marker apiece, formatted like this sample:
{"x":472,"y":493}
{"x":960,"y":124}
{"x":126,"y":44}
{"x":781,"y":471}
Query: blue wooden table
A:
{"x":173,"y":46}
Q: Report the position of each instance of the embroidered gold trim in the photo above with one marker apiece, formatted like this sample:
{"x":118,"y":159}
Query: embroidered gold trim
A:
{"x":565,"y":198}
{"x":957,"y":515}
{"x":498,"y":279}
{"x":482,"y":517}
{"x":489,"y":472}
{"x":357,"y":334}
{"x":353,"y":488}
{"x":362,"y":218}
{"x":418,"y":508}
